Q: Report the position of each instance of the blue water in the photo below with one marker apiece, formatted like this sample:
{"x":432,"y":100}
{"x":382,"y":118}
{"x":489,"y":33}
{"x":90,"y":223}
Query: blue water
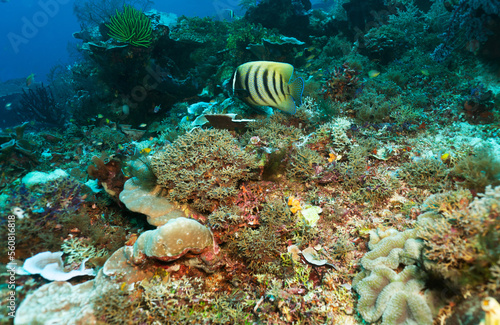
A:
{"x":35,"y":34}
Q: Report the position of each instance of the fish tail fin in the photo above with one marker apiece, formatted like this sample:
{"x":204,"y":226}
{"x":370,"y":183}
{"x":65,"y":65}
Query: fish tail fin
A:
{"x":296,"y":90}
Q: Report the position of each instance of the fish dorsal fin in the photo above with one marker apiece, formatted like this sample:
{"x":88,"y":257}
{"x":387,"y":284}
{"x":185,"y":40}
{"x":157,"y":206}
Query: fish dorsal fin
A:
{"x":288,"y":105}
{"x":296,"y":89}
{"x":284,"y":69}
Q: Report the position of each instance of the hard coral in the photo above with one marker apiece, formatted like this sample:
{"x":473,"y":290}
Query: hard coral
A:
{"x":426,"y":173}
{"x":395,"y":297}
{"x":203,"y":167}
{"x":479,"y":170}
{"x":274,"y":134}
{"x":302,"y":163}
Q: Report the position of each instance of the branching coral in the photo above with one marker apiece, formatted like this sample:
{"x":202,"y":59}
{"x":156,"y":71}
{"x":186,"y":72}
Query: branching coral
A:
{"x":131,"y":26}
{"x":353,"y":172}
{"x":274,"y":134}
{"x":79,"y":249}
{"x":224,"y":218}
{"x":203,"y":167}
{"x":262,"y":247}
{"x":302,"y":163}
{"x":168,"y":300}
{"x":427,"y":173}
{"x":38,"y":104}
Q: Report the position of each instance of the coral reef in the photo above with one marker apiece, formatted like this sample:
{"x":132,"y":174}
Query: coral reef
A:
{"x":389,"y":294}
{"x":478,"y":170}
{"x":158,"y":209}
{"x":131,"y":26}
{"x":203,"y":167}
{"x":38,"y":104}
{"x":343,"y":84}
{"x":427,"y":173}
{"x":302,"y":163}
{"x":172,"y":240}
{"x":376,"y":202}
{"x":460,"y":235}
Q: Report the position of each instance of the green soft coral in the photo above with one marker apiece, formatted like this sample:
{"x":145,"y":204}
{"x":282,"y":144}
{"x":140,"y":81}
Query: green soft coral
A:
{"x":203,"y":168}
{"x":131,"y":26}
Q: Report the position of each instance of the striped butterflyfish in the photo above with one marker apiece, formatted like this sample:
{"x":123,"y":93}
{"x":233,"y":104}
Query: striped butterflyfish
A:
{"x":266,"y":83}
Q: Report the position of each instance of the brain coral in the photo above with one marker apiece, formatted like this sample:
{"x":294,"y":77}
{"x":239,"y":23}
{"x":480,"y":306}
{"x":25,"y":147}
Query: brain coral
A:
{"x":203,"y":168}
{"x":396,"y":297}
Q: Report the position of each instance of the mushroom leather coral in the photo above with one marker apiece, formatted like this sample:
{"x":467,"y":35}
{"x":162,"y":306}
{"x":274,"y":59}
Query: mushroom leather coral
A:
{"x":172,"y":240}
{"x":158,"y":209}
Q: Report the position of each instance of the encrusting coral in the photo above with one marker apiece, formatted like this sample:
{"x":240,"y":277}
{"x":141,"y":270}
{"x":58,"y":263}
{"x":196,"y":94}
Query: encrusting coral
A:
{"x":67,"y":304}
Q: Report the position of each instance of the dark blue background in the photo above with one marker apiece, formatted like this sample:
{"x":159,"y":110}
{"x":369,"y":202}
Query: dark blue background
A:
{"x":47,"y":45}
